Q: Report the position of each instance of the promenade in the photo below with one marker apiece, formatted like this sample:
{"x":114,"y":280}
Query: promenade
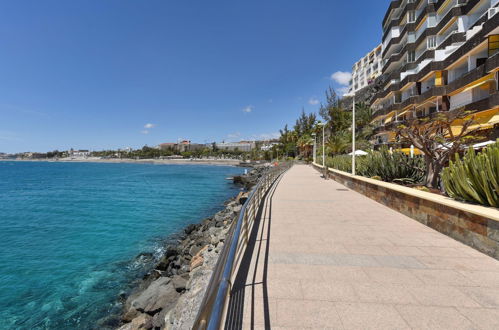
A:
{"x":323,"y":256}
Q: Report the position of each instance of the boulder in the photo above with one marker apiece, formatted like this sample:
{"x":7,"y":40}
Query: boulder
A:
{"x":194,"y":250}
{"x":190,"y":228}
{"x":179,"y":283}
{"x":143,"y":321}
{"x":196,"y":262}
{"x":159,"y":295}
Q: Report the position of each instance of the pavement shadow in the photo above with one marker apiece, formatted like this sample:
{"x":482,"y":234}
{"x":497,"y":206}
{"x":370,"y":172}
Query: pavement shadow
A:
{"x":246,"y":280}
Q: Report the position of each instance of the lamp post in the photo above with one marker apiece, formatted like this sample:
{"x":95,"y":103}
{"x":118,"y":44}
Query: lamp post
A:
{"x":323,"y":147}
{"x":315,"y":146}
{"x":352,"y":94}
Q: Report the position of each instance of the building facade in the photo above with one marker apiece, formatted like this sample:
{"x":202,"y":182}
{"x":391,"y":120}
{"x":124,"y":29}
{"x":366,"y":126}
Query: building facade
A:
{"x":366,"y":70}
{"x":438,"y":55}
{"x":244,"y":146}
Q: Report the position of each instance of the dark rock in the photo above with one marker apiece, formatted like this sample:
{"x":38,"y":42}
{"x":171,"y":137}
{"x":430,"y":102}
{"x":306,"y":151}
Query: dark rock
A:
{"x":158,"y":320}
{"x":190,"y":228}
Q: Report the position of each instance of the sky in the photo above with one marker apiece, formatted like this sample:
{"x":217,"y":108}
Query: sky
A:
{"x":107,"y":74}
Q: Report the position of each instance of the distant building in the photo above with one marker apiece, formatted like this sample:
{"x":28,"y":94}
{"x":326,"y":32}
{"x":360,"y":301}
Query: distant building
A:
{"x":79,"y":153}
{"x":245,"y":146}
{"x":181,"y":146}
{"x":366,"y":70}
{"x":167,"y":146}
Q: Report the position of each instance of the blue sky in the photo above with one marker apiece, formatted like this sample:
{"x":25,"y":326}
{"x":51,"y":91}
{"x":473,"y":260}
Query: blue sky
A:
{"x":110,"y":74}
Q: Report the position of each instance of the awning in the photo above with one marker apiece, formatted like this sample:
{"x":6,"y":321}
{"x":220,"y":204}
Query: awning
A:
{"x":403,"y":112}
{"x":478,"y":82}
{"x":389,"y":117}
{"x":407,"y":151}
{"x":482,"y":120}
{"x":380,"y":117}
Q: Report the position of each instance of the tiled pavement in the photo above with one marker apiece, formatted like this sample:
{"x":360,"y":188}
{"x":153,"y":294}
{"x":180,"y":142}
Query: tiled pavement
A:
{"x":328,"y":257}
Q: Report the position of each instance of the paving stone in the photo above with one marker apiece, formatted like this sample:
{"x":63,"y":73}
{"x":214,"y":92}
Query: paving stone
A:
{"x":340,"y":260}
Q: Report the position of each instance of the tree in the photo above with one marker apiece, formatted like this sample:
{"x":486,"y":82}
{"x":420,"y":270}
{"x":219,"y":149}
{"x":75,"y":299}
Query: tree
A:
{"x":337,"y":118}
{"x":438,"y":138}
{"x":305,"y":124}
{"x":305,"y":145}
{"x":338,"y":143}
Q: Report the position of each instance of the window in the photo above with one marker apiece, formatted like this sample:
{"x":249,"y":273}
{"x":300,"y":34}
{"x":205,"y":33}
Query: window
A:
{"x":431,"y":42}
{"x":411,"y":56}
{"x":411,"y":37}
{"x":432,"y":20}
{"x":411,"y":16}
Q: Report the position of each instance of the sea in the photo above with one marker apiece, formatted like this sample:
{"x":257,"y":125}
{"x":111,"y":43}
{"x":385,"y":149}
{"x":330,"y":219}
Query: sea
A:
{"x":74,"y":237}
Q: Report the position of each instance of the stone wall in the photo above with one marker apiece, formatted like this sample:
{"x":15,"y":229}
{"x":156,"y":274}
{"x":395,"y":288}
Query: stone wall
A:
{"x":473,"y":225}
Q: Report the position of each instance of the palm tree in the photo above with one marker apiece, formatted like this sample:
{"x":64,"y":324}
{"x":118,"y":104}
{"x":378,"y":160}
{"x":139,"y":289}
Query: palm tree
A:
{"x":338,"y":143}
{"x":305,"y":144}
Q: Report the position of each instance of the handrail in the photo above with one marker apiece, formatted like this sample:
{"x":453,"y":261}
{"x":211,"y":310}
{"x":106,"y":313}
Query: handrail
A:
{"x":213,"y":306}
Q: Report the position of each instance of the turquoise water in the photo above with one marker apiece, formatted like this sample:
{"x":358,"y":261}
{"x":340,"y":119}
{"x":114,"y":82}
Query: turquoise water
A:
{"x":70,"y":233}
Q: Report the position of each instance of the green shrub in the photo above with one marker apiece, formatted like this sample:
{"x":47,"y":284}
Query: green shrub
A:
{"x":383,"y":165}
{"x":392,"y":167}
{"x":341,"y":163}
{"x":475,"y":178}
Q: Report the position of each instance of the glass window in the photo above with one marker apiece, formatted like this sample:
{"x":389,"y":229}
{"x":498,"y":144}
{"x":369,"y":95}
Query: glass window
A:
{"x":432,"y":20}
{"x":431,"y":42}
{"x":411,"y":16}
{"x":411,"y":56}
{"x":411,"y":37}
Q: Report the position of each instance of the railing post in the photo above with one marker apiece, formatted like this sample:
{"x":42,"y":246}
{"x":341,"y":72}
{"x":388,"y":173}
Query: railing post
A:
{"x":246,"y":229}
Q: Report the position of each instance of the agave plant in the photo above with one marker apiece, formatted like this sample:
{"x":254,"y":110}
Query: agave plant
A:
{"x":388,"y":166}
{"x":393,"y":167}
{"x":475,"y":178}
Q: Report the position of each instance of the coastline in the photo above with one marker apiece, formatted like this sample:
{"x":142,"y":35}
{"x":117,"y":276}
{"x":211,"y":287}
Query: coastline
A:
{"x":224,"y":162}
{"x":169,"y":295}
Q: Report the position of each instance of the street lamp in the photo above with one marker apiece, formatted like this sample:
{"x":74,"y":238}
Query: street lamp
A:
{"x":323,"y":145}
{"x":315,"y":146}
{"x":352,"y":94}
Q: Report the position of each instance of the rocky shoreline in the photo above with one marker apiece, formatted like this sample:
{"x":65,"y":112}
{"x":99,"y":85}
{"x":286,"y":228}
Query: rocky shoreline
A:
{"x":169,"y":296}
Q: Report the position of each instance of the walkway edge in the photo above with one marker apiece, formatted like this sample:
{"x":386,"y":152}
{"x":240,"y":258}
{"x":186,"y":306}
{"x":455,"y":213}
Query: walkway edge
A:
{"x":473,"y":225}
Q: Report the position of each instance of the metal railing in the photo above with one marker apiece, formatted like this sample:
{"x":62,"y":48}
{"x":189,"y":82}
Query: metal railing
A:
{"x":213,"y":307}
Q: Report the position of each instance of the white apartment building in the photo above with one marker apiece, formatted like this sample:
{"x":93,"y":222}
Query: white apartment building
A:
{"x":366,"y":70}
{"x":438,"y":55}
{"x":237,"y":146}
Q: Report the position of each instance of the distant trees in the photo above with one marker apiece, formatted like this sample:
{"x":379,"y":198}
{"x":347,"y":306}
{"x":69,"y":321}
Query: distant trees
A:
{"x":299,"y":141}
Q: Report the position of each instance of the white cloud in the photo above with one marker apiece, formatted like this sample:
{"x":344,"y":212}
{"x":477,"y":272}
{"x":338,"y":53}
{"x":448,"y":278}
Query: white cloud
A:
{"x":342,"y":90}
{"x":266,"y":136}
{"x":149,"y":125}
{"x":233,"y":135}
{"x":248,"y":109}
{"x":341,"y":77}
{"x":144,"y":132}
{"x":313,"y":101}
